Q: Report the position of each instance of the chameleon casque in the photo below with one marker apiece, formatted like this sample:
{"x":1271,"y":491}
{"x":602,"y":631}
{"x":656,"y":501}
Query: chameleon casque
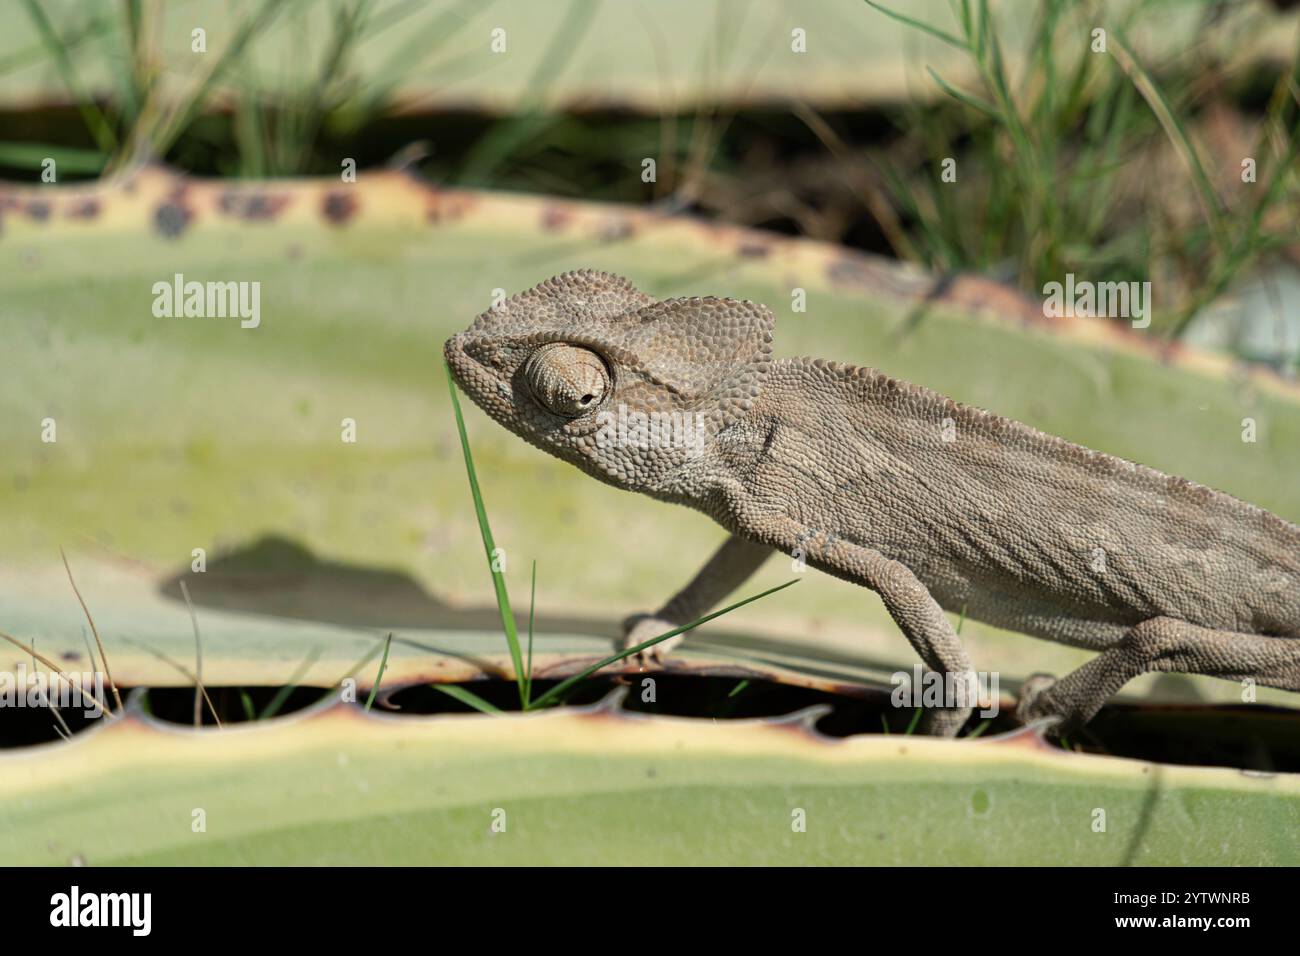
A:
{"x":930,"y":503}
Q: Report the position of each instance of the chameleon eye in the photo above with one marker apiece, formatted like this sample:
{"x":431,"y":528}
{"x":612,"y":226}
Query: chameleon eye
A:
{"x":566,"y":380}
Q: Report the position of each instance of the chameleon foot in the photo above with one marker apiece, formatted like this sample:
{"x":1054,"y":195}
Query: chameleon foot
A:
{"x":1034,"y":701}
{"x":640,"y":628}
{"x":943,"y":721}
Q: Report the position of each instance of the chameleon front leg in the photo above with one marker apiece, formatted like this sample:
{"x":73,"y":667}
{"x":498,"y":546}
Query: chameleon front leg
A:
{"x":731,"y":564}
{"x":916,"y":613}
{"x":1159,"y":644}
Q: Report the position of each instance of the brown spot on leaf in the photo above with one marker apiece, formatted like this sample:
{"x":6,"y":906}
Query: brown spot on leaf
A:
{"x":339,"y":206}
{"x":446,"y":206}
{"x":84,"y":209}
{"x":556,"y":218}
{"x":257,"y":206}
{"x":752,"y":249}
{"x":171,"y":219}
{"x":38,"y":209}
{"x":616,"y":229}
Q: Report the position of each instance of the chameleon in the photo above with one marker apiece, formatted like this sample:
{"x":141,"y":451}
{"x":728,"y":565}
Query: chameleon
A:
{"x":932,"y":504}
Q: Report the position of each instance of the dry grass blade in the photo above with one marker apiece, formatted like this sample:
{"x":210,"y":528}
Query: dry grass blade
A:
{"x":47,"y":662}
{"x":66,"y":732}
{"x":873,"y":199}
{"x":198,"y":659}
{"x":27,"y":648}
{"x":94,"y":630}
{"x":181,"y":668}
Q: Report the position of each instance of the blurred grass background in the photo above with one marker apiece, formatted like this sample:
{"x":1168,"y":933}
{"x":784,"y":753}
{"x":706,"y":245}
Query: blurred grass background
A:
{"x":1122,"y":165}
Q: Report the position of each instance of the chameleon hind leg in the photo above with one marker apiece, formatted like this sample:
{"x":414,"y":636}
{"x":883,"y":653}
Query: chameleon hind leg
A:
{"x":1160,"y":644}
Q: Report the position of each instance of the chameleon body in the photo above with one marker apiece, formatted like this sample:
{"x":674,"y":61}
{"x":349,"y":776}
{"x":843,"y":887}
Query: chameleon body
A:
{"x":930,"y":503}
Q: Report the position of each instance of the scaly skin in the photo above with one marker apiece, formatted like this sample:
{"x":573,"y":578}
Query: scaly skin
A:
{"x":933,"y":504}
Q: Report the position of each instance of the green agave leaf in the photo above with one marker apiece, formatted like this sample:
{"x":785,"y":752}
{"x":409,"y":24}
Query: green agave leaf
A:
{"x":336,"y":786}
{"x":177,"y":434}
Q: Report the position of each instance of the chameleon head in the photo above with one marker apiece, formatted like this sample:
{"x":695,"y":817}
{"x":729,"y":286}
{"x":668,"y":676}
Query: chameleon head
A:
{"x":626,"y":387}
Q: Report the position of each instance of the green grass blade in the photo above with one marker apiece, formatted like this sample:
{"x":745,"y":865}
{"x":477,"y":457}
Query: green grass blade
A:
{"x":91,"y":114}
{"x":381,"y":646}
{"x":467,"y":697}
{"x":1177,"y":133}
{"x":919,"y":25}
{"x":348,"y":27}
{"x":377,"y":88}
{"x":980,"y":44}
{"x":532,"y":609}
{"x":982,"y":105}
{"x":916,"y":719}
{"x":506,"y":138}
{"x":489,"y":546}
{"x":560,"y":689}
{"x":283,"y":693}
{"x":231,"y":55}
{"x":66,"y":159}
{"x":92,"y":29}
{"x":383,"y":666}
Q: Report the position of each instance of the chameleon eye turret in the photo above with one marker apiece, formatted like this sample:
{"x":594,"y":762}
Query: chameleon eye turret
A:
{"x":566,"y":380}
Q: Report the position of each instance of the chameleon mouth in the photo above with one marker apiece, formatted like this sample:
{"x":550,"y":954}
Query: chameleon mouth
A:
{"x":464,"y":370}
{"x":477,"y":381}
{"x":452,"y":354}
